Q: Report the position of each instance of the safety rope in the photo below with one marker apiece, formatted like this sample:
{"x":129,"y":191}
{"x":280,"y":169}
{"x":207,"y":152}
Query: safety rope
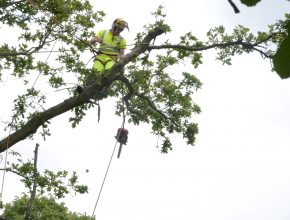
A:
{"x":45,"y":63}
{"x":104,"y":180}
{"x":124,"y":117}
{"x":108,"y":167}
{"x":157,"y":142}
{"x":123,"y":106}
{"x":4,"y":169}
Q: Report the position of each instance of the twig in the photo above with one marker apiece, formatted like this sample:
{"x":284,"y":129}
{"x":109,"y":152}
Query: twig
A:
{"x":15,"y":172}
{"x":152,"y":105}
{"x":234,"y":6}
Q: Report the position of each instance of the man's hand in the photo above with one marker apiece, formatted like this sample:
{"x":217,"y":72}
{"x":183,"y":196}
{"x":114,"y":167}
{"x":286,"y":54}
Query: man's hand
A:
{"x":94,"y":40}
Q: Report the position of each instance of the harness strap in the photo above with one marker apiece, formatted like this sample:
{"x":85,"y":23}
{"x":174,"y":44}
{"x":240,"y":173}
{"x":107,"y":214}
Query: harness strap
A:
{"x":103,"y":35}
{"x":102,"y":62}
{"x":109,"y":55}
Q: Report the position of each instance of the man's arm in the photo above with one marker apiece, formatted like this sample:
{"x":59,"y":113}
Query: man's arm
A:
{"x":94,"y":40}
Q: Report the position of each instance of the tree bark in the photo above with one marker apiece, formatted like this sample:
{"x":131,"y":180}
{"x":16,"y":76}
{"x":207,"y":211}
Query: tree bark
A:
{"x":33,"y":193}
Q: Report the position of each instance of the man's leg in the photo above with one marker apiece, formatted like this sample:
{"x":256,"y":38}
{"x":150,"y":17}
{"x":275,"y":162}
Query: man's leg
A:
{"x":108,"y":65}
{"x":96,"y":76}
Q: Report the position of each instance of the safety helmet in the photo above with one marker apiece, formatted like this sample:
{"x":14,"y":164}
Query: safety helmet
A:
{"x":120,"y":23}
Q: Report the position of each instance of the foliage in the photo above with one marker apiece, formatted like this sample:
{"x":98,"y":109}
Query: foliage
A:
{"x":157,"y":85}
{"x":281,"y":60}
{"x":250,"y":2}
{"x":53,"y":184}
{"x":44,"y":208}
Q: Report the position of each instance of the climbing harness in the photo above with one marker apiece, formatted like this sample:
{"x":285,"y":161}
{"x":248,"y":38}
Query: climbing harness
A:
{"x":104,"y":63}
{"x":107,"y":53}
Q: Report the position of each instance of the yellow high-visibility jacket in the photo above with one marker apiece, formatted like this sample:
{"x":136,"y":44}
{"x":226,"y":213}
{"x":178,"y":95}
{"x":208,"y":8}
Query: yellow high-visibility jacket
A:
{"x":110,"y":45}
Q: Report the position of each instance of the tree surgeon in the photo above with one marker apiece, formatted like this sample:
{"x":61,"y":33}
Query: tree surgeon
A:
{"x":112,"y":49}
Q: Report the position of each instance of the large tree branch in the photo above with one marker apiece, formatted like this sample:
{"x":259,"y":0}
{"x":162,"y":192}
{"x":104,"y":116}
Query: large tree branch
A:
{"x":195,"y":48}
{"x":144,"y":45}
{"x":40,"y":118}
{"x":129,"y":95}
{"x":153,"y":106}
{"x":132,"y":92}
{"x":31,"y":126}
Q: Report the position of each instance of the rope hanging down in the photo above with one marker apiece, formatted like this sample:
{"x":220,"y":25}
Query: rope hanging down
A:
{"x":4,"y":170}
{"x":104,"y":180}
{"x":122,"y":133}
{"x":120,"y":148}
{"x":108,"y":167}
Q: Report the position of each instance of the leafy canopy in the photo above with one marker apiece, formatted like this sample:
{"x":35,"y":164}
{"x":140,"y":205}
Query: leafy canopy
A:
{"x":154,"y":83}
{"x":52,"y":184}
{"x":44,"y":208}
{"x":153,"y":86}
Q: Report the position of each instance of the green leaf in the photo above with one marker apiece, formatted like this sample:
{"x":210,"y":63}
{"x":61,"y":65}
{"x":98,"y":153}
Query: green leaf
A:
{"x":281,"y":59}
{"x":250,"y":2}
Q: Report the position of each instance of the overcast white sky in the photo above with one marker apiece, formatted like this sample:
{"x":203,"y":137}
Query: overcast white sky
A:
{"x":239,"y":167}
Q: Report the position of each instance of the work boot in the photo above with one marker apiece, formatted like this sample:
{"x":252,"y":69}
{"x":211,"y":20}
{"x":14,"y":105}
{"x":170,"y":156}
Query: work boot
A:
{"x":79,"y":89}
{"x":97,"y":79}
